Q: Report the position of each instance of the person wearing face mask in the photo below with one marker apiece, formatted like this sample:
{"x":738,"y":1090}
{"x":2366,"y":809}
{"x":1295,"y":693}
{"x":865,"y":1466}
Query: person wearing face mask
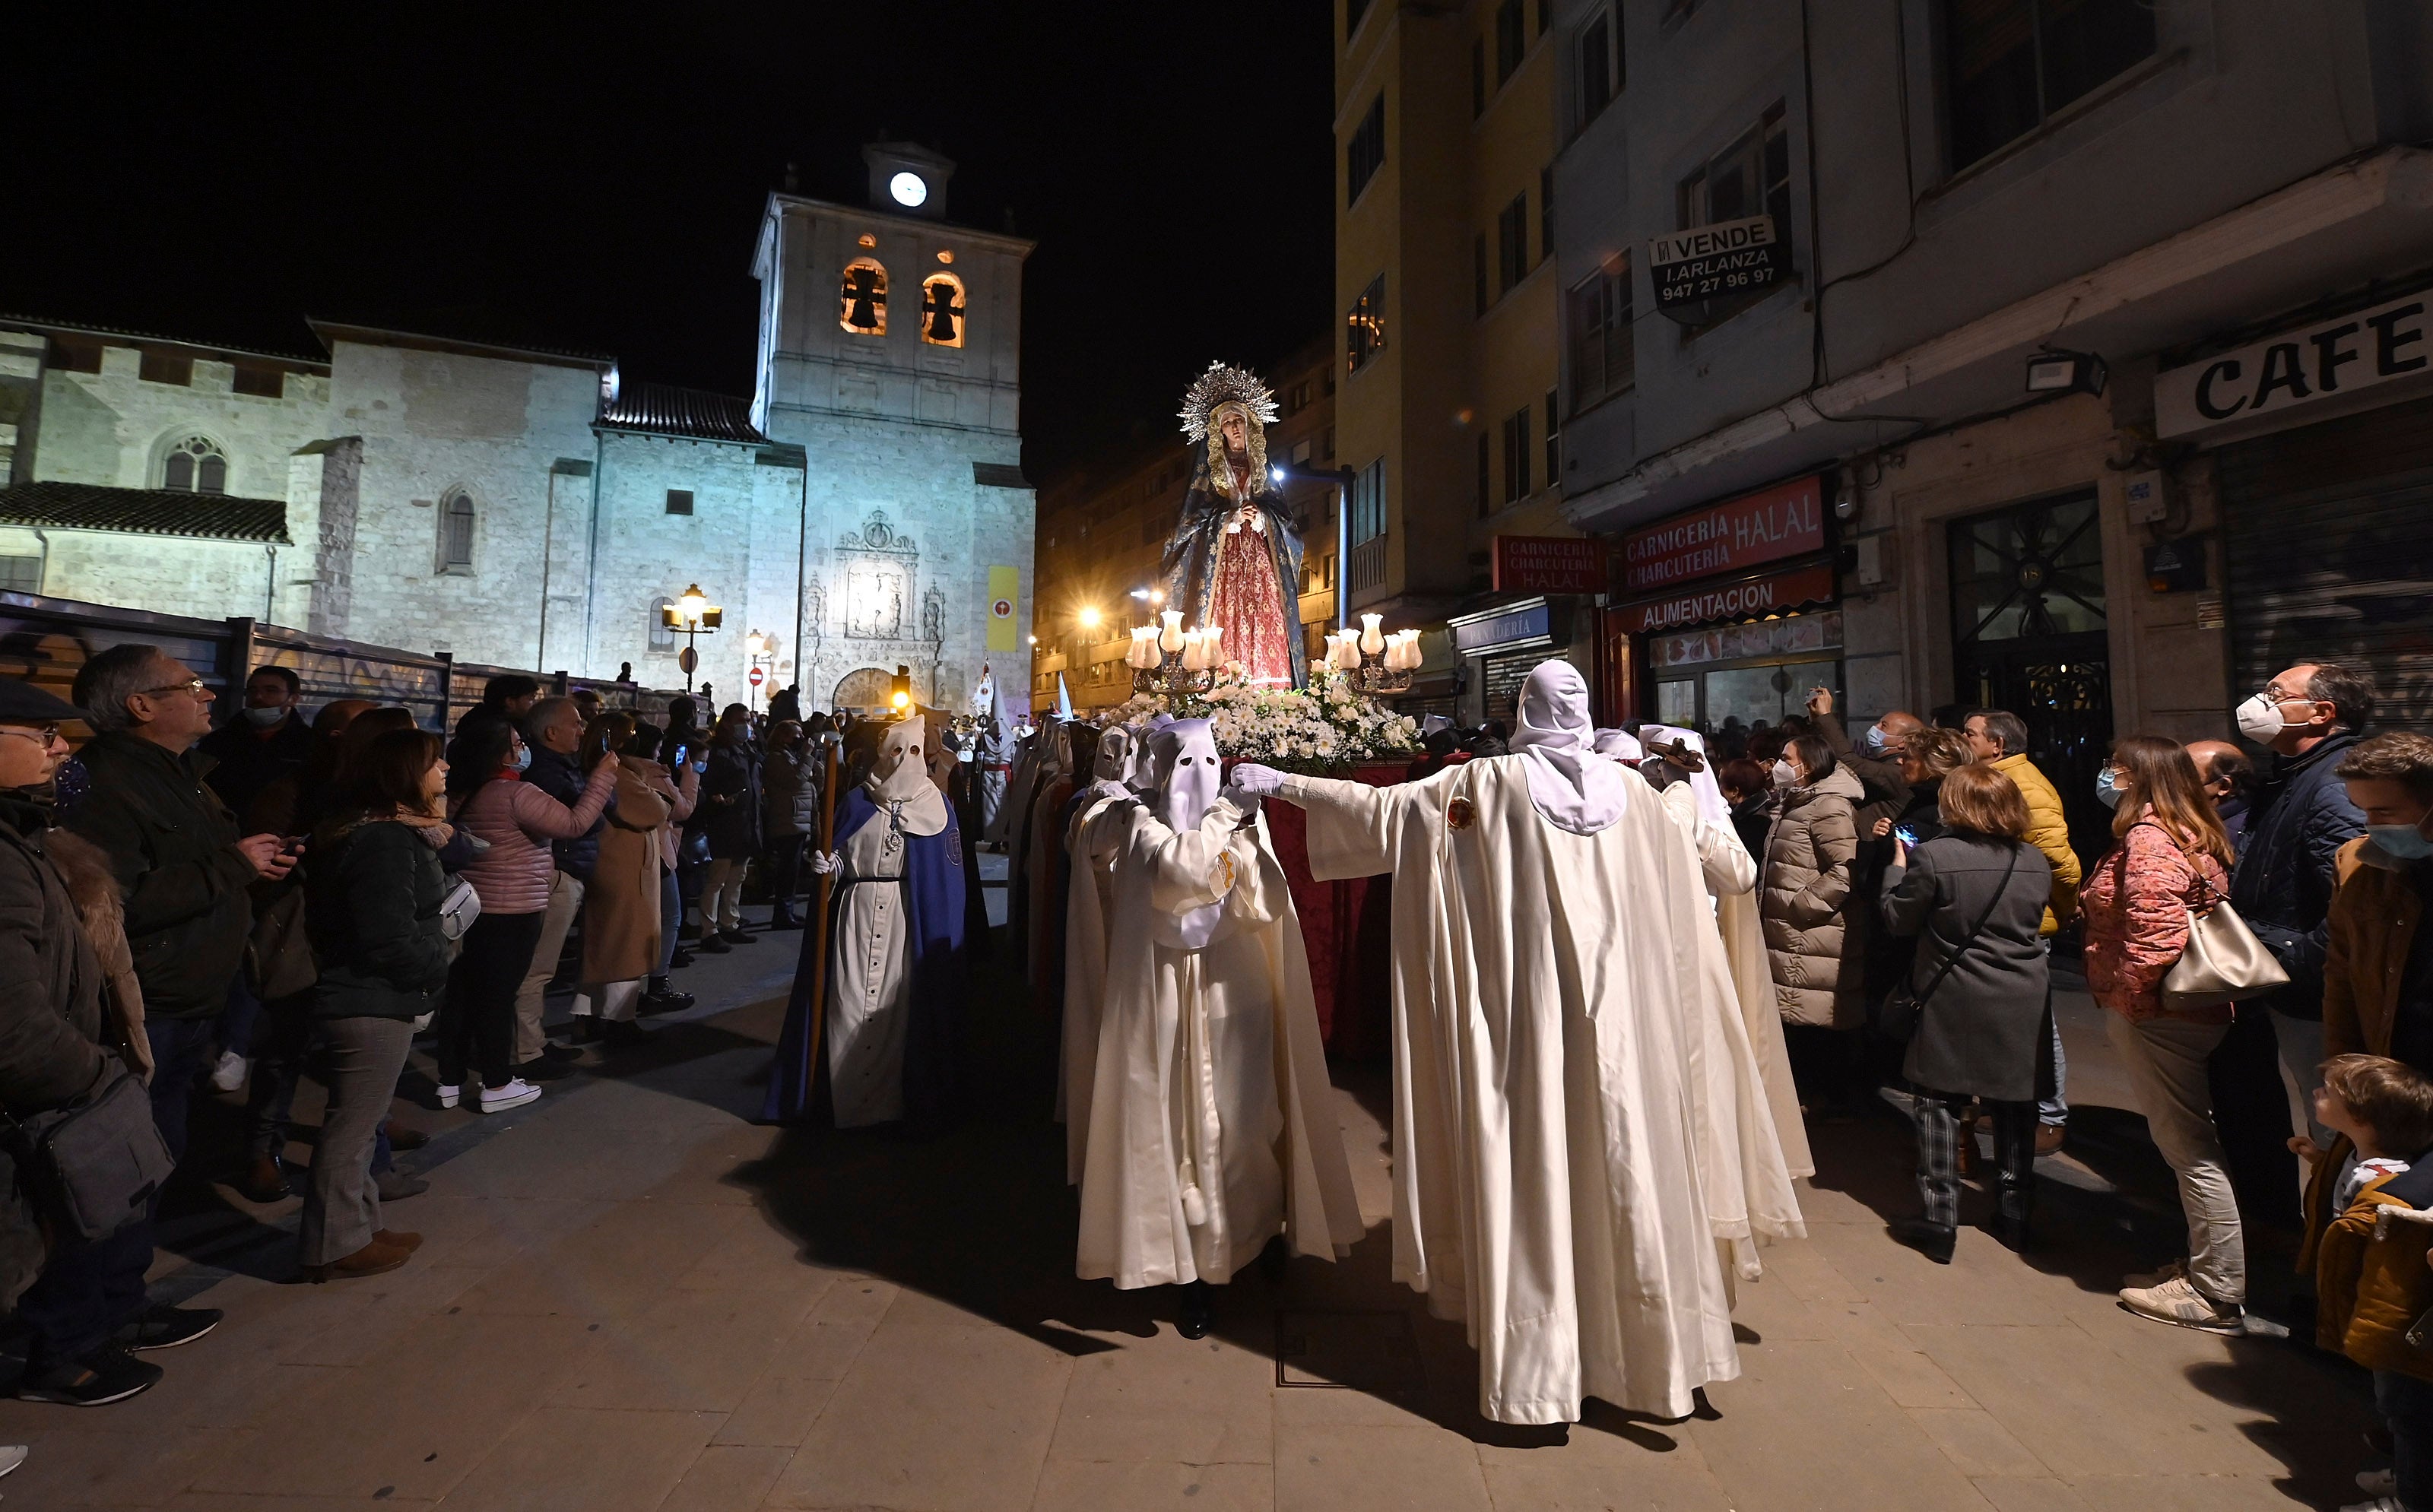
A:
{"x":260,"y":742}
{"x":895,"y":967}
{"x":2378,"y":957}
{"x":1555,"y":1174}
{"x":2288,"y":863}
{"x":1875,"y":761}
{"x":1210,"y":1123}
{"x":2169,"y":858}
{"x":1810,"y":868}
{"x":516,"y":821}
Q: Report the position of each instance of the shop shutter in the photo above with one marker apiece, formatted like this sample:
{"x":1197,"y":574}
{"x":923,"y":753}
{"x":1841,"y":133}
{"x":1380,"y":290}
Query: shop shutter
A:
{"x":2329,"y":542}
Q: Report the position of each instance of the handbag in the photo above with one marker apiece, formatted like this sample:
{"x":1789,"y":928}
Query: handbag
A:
{"x":2223,"y":961}
{"x":1902,"y":1009}
{"x":279,"y":952}
{"x":459,"y":910}
{"x":91,"y":1168}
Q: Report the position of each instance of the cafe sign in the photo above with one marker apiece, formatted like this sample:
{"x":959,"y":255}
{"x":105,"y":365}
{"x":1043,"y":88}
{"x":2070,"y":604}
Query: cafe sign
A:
{"x":1787,"y":520}
{"x":1551,"y":563}
{"x":1749,"y":599}
{"x":2297,"y":367}
{"x":1707,"y":263}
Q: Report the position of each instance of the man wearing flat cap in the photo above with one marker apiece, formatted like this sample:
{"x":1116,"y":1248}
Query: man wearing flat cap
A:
{"x":58,"y":1039}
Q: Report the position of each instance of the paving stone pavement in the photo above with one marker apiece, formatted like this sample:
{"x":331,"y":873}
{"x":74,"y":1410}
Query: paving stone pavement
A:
{"x":634,"y":1300}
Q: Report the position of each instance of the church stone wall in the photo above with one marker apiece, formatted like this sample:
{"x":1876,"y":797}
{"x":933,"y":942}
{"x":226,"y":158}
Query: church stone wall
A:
{"x":113,"y":428}
{"x":435,"y":422}
{"x":203,"y":579}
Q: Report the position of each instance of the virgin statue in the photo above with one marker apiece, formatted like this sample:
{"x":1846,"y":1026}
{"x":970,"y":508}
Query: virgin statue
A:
{"x":1233,"y":562}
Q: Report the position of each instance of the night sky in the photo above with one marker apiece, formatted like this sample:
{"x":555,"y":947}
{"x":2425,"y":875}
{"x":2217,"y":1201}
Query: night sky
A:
{"x":219,"y":174}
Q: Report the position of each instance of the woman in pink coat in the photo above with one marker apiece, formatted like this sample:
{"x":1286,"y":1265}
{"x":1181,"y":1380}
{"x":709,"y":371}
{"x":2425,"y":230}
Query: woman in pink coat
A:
{"x":515,"y":822}
{"x":2171,"y":858}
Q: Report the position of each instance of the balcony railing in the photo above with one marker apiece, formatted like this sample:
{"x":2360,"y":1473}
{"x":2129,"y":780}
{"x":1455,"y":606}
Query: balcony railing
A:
{"x":1368,"y":565}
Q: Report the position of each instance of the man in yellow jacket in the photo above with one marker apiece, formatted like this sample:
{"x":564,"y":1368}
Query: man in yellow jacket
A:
{"x":1999,"y":740}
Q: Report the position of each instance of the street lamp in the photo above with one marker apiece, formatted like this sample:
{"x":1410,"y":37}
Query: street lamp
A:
{"x":756,"y":647}
{"x":691,"y":616}
{"x":1088,"y":617}
{"x":899,"y":695}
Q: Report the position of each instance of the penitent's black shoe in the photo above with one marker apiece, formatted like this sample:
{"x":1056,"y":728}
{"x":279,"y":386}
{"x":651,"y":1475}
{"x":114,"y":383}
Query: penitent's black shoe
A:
{"x":107,"y":1374}
{"x":1195,"y":1321}
{"x":1933,"y":1240}
{"x":163,"y":1327}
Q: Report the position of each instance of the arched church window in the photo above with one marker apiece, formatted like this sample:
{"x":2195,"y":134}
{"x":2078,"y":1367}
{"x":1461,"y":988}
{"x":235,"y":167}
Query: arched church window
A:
{"x":861,"y":305}
{"x":942,"y":310}
{"x":662,"y":638}
{"x":457,"y":532}
{"x":196,"y":464}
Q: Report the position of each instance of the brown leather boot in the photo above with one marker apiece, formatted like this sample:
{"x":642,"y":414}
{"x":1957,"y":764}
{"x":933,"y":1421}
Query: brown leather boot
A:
{"x":263,"y":1180}
{"x":372,"y":1260}
{"x":407,"y":1242}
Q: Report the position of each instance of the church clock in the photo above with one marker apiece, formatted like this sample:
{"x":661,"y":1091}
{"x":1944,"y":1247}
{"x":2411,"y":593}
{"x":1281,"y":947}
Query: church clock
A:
{"x":908,"y":190}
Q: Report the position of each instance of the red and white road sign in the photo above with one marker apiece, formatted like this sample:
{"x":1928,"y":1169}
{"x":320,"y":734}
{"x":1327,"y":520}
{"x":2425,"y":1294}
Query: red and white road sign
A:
{"x":756,"y":676}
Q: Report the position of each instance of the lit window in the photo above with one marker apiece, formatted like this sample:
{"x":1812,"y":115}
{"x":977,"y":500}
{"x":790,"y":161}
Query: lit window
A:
{"x":2012,"y":63}
{"x":195,"y":465}
{"x":861,"y":306}
{"x":942,"y":310}
{"x":456,"y":533}
{"x":1364,"y":334}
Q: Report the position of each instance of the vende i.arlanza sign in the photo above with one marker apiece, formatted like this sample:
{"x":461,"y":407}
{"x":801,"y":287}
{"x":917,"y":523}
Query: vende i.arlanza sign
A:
{"x":1715,"y":261}
{"x":2301,"y":366}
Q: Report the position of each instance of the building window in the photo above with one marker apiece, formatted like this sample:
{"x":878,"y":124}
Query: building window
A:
{"x":457,"y":532}
{"x":861,"y":305}
{"x":195,"y":466}
{"x":165,"y":368}
{"x":663,"y":639}
{"x":1596,"y":68}
{"x":2010,"y":64}
{"x":1366,"y":153}
{"x":1364,"y":334}
{"x":1511,"y":39}
{"x":1486,"y":489}
{"x":679,"y":501}
{"x":1516,"y":455}
{"x":1553,"y":440}
{"x":1478,"y":273}
{"x":1369,"y":503}
{"x":942,"y":310}
{"x":1478,"y":77}
{"x":1545,"y":213}
{"x":21,"y":574}
{"x":1597,"y":318}
{"x":1748,"y":178}
{"x":258,"y":381}
{"x":1513,"y":244}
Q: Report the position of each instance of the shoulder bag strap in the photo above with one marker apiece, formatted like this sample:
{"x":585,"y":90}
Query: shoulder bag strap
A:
{"x":2207,"y":895}
{"x":1975,"y":930}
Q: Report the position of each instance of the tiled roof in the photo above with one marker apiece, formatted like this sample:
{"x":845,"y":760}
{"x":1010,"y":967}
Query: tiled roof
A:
{"x":144,"y":511}
{"x":664,"y":409}
{"x":120,"y":333}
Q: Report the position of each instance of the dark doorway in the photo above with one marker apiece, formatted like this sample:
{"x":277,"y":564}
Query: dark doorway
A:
{"x":2028,"y":636}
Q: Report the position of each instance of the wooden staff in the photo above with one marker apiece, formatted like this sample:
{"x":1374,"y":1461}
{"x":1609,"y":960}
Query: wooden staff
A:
{"x":820,"y":929}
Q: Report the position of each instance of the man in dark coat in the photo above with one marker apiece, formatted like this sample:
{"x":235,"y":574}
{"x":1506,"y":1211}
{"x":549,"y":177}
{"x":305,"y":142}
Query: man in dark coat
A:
{"x":54,"y":1030}
{"x":179,"y":858}
{"x":261,"y":743}
{"x":2298,"y":820}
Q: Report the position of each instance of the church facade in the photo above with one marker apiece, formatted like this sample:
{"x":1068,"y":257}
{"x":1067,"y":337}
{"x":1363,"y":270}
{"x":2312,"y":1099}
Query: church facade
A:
{"x":863,"y":510}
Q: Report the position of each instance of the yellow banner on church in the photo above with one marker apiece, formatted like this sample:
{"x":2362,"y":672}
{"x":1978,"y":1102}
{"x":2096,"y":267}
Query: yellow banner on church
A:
{"x":1005,"y":589}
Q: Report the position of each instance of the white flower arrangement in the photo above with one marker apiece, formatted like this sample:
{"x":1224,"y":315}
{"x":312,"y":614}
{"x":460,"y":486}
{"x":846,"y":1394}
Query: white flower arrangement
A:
{"x":1323,"y":726}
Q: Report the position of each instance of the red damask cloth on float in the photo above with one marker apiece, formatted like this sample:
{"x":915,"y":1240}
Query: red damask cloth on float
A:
{"x":1347,"y":929}
{"x":1248,"y":604}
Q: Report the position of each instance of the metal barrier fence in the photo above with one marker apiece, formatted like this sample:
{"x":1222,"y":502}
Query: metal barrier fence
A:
{"x":47,"y":642}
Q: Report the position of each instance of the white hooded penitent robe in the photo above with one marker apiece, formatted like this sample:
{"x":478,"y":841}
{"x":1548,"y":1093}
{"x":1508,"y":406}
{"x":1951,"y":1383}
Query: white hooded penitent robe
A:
{"x":1210,"y":1122}
{"x":1554,"y":1182}
{"x":1089,"y":902}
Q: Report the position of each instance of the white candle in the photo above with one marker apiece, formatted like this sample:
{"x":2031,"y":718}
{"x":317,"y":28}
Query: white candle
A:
{"x":1371,"y":641}
{"x":1411,"y":658}
{"x":1195,"y":650}
{"x":1143,"y":652}
{"x":1170,"y":638}
{"x":1211,"y":648}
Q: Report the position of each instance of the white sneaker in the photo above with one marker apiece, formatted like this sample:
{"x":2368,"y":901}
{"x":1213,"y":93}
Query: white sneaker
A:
{"x":11,"y":1455}
{"x":448,"y":1095}
{"x":514,"y":1094}
{"x":2378,"y":1483}
{"x":229,"y":1074}
{"x":2179,"y":1302}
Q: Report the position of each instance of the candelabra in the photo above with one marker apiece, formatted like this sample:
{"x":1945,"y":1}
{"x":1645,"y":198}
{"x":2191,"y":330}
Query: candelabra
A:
{"x":1373,"y":660}
{"x":1171,"y":661}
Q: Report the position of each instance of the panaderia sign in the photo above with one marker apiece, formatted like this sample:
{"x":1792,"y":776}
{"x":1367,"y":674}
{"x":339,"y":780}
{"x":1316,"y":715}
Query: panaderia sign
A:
{"x":1787,"y":520}
{"x":2297,"y":367}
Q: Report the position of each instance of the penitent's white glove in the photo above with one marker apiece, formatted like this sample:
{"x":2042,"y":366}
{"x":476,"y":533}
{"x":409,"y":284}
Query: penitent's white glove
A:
{"x":826,"y":863}
{"x":1256,"y":780}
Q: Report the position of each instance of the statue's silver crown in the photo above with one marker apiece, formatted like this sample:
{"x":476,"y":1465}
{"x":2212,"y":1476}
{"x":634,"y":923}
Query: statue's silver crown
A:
{"x":1221,"y":383}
